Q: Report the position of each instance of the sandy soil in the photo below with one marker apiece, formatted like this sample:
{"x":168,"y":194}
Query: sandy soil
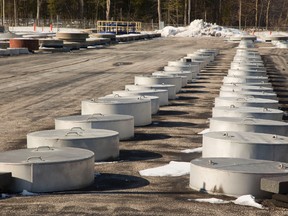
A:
{"x":37,"y":88}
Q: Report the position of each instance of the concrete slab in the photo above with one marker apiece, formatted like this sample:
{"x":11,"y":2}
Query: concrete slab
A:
{"x":278,"y":184}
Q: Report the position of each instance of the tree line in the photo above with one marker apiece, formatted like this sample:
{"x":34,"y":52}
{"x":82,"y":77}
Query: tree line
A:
{"x":242,"y":13}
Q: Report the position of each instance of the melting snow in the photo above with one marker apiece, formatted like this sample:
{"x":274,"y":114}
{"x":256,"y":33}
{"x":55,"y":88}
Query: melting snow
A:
{"x":211,"y":200}
{"x":245,"y":200}
{"x":204,"y":131}
{"x":195,"y":150}
{"x":27,"y":193}
{"x":199,"y":28}
{"x":3,"y":196}
{"x":174,"y":168}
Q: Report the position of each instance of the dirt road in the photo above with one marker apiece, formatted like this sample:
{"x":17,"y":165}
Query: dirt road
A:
{"x":37,"y":88}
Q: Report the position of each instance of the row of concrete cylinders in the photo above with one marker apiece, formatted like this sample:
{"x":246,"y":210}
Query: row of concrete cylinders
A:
{"x":124,"y":109}
{"x":246,"y":128}
{"x":95,"y":134}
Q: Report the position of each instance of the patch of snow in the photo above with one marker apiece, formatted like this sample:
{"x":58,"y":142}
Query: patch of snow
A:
{"x":247,"y":200}
{"x":195,"y":150}
{"x":27,"y":193}
{"x":207,"y":130}
{"x":3,"y":196}
{"x":199,"y":28}
{"x":174,"y":168}
{"x":211,"y":200}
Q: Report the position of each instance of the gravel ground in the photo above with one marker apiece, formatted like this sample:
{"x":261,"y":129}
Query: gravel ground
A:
{"x":37,"y":88}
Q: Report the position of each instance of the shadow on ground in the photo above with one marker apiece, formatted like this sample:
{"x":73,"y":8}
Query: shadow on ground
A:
{"x":137,"y":155}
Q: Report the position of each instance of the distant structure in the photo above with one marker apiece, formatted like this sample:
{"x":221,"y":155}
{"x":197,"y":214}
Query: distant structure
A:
{"x":118,"y":27}
{"x":2,"y":29}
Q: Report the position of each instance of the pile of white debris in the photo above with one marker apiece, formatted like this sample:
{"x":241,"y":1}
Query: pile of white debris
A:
{"x":199,"y":28}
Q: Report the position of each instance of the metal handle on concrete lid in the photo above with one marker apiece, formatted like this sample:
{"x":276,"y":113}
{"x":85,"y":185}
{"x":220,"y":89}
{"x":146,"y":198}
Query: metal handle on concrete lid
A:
{"x":93,"y":116}
{"x":211,"y":162}
{"x":248,"y":119}
{"x":117,"y":95}
{"x":232,"y":106}
{"x":274,"y":136}
{"x":76,"y":128}
{"x":33,"y":158}
{"x":225,"y":134}
{"x":43,"y":147}
{"x":97,"y":114}
{"x":281,"y":166}
{"x":72,"y":132}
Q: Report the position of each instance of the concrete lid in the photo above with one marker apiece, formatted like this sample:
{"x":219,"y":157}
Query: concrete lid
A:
{"x":253,"y":93}
{"x":246,"y":99}
{"x":248,"y":137}
{"x":243,"y":109}
{"x":241,"y":165}
{"x":249,"y":69}
{"x":260,"y":78}
{"x":73,"y":134}
{"x":8,"y":35}
{"x":43,"y":155}
{"x":180,"y":72}
{"x":118,"y":100}
{"x":260,"y":72}
{"x":240,"y":87}
{"x":151,"y":97}
{"x":153,"y":86}
{"x":140,"y":91}
{"x":264,"y":84}
{"x":250,"y":121}
{"x":158,"y":77}
{"x":97,"y":117}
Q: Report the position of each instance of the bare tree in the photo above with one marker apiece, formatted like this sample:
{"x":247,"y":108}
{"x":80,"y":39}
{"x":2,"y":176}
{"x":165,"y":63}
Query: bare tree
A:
{"x":283,"y":8}
{"x":240,"y":13}
{"x":108,"y":2}
{"x":256,"y":13}
{"x":159,"y":11}
{"x":260,"y":15}
{"x":3,"y":12}
{"x":81,"y":8}
{"x":15,"y":13}
{"x":189,"y":11}
{"x":267,"y":13}
{"x":39,"y":2}
{"x":185,"y":10}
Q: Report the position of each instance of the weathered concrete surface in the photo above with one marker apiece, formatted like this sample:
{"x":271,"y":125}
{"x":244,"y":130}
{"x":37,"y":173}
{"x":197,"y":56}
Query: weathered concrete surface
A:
{"x":278,"y":184}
